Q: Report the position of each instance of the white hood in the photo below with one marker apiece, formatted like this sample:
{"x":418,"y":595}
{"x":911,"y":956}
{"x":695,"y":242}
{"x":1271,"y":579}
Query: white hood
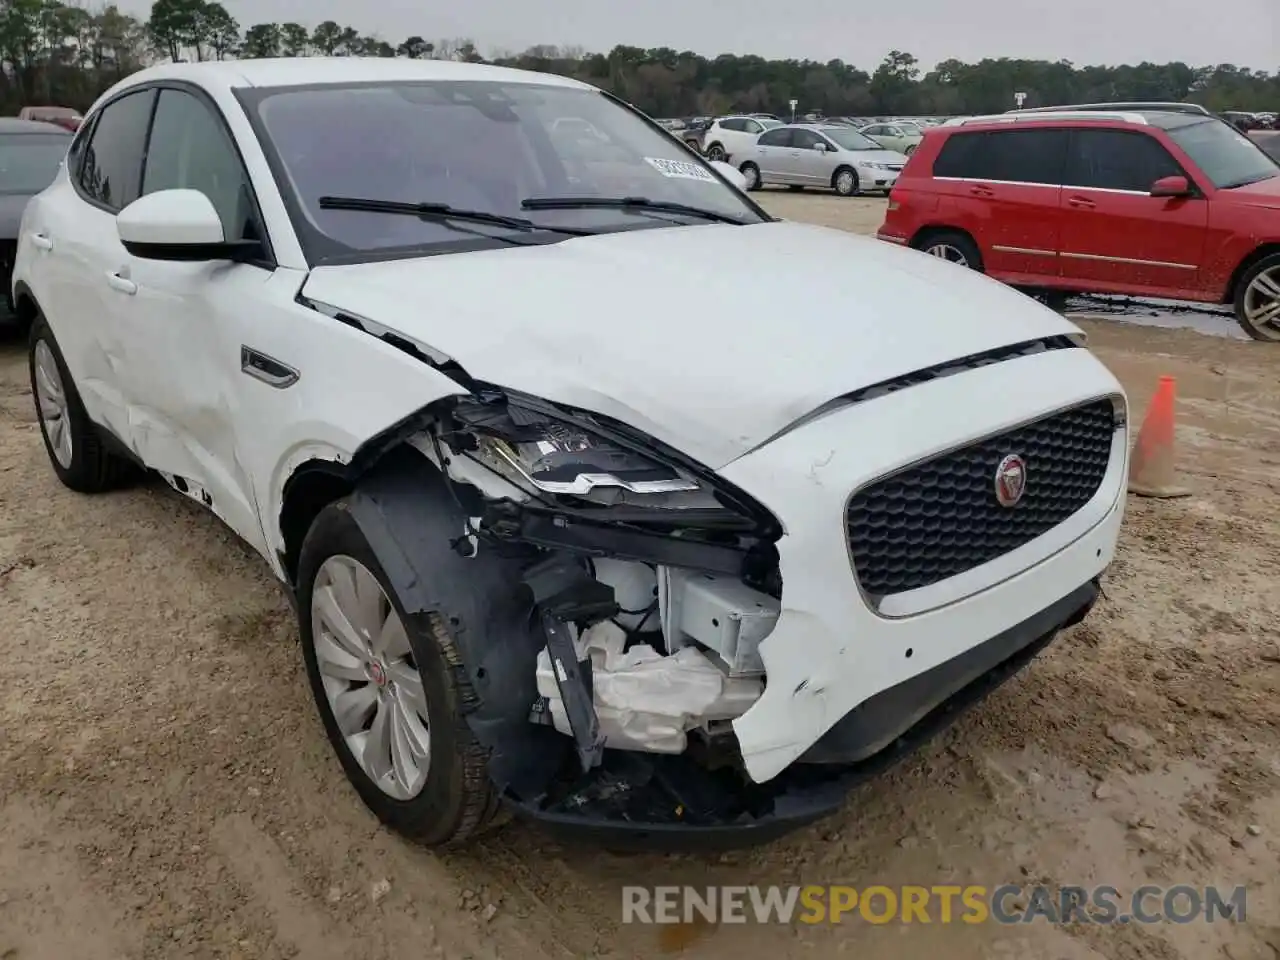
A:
{"x":710,"y":338}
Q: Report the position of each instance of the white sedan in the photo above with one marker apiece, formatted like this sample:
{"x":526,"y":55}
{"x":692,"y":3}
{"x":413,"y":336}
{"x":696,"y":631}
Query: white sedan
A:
{"x":551,"y":543}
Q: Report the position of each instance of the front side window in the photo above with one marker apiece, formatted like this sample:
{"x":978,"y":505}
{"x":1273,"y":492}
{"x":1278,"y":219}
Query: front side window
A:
{"x":1228,"y":158}
{"x":774,"y":138}
{"x":111,"y":173}
{"x":753,"y":126}
{"x":735,"y":124}
{"x":910,"y":130}
{"x":1118,"y":160}
{"x":873,"y":131}
{"x":806,"y":140}
{"x":486,"y":147}
{"x":189,"y":149}
{"x":850,"y":139}
{"x":29,"y":161}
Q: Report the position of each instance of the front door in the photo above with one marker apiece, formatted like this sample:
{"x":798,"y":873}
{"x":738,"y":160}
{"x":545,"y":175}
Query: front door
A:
{"x":1115,"y":235}
{"x":812,"y":162}
{"x":184,"y":324}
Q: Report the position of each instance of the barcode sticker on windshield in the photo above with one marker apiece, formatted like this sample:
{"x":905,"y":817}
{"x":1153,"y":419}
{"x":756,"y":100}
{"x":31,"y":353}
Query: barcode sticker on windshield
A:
{"x":681,"y":169}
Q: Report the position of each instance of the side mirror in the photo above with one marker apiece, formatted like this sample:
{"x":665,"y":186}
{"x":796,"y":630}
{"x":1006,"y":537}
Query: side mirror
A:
{"x":820,"y":147}
{"x":730,"y":173}
{"x":1171,"y":187}
{"x":177,"y":225}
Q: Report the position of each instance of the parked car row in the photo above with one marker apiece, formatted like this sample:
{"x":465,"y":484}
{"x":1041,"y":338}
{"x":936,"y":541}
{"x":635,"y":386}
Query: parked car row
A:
{"x":1171,"y":203}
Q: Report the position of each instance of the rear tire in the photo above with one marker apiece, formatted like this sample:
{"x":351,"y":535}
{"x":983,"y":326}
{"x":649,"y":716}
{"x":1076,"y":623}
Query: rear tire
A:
{"x":447,"y":798}
{"x":952,"y":246}
{"x":716,"y":152}
{"x":1257,"y":300}
{"x":911,"y":148}
{"x":752,"y":173}
{"x":76,"y":451}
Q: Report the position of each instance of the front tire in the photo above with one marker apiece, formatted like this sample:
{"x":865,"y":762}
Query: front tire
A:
{"x":391,"y":689}
{"x":716,"y":152}
{"x":1257,"y":300}
{"x":76,"y":451}
{"x":911,"y":148}
{"x":845,"y":182}
{"x":752,"y":174}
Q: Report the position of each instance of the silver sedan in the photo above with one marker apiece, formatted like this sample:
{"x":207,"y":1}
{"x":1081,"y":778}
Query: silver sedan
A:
{"x":820,"y":155}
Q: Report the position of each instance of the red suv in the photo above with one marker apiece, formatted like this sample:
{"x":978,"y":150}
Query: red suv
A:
{"x":1150,"y":203}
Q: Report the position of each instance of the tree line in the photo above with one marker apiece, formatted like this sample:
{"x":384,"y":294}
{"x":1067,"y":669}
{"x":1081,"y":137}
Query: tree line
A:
{"x":57,"y":53}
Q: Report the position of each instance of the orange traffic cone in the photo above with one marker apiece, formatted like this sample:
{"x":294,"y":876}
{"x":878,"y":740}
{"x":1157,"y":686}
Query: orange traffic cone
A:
{"x":1152,"y":471}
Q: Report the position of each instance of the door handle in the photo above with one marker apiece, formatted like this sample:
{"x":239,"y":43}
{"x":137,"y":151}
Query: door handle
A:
{"x":980,"y":191}
{"x":41,"y":242}
{"x":1081,"y":202}
{"x":122,"y":284}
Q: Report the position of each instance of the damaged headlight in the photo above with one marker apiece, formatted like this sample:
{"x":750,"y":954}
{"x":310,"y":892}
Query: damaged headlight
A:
{"x":550,"y":454}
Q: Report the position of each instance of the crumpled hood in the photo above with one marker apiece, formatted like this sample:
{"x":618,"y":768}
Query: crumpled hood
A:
{"x":710,"y":338}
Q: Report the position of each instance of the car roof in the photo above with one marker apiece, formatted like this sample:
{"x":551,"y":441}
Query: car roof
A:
{"x":304,"y":71}
{"x":10,"y":125}
{"x":1165,"y":120}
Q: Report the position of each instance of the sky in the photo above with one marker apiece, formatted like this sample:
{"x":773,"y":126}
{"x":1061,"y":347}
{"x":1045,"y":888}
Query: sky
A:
{"x":1243,"y":32}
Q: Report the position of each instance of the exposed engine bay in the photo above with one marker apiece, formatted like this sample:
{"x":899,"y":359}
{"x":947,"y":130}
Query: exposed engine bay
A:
{"x":641,"y":574}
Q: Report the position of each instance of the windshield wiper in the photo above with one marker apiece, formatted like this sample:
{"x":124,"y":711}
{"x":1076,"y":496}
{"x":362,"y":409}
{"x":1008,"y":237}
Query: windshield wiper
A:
{"x":626,"y":203}
{"x":439,"y":211}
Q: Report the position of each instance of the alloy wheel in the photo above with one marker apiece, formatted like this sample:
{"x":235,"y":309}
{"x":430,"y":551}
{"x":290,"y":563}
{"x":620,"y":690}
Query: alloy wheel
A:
{"x":845,"y":182}
{"x":51,"y":404}
{"x":1262,"y":304}
{"x":372,"y":684}
{"x":944,"y":251}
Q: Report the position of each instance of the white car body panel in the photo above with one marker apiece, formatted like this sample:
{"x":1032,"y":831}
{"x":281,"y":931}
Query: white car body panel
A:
{"x":567,"y":312}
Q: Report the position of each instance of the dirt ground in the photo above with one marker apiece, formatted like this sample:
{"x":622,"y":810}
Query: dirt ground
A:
{"x":166,"y":789}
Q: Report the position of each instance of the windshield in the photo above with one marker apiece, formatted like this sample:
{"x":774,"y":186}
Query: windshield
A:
{"x":850,"y":139}
{"x":770,"y":124}
{"x":29,"y":161}
{"x":1226,"y":156}
{"x":477,"y":146}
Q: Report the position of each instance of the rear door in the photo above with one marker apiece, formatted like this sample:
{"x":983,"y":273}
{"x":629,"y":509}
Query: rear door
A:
{"x":1115,"y":235}
{"x":772,"y":151}
{"x":1003,"y":188}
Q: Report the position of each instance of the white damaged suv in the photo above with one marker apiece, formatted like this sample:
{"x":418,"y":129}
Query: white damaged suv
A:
{"x":554,"y":545}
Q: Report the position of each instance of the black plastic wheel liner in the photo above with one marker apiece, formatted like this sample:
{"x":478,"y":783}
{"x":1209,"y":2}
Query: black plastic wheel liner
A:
{"x":409,"y":515}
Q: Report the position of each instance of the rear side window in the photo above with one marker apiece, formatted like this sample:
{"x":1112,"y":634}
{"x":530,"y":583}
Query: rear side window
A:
{"x":733,"y":124}
{"x":112,"y":171}
{"x":775,"y":138}
{"x":1012,"y":156}
{"x":1118,"y":160}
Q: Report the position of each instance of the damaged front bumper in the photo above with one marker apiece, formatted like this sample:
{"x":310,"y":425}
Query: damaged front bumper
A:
{"x":838,"y":683}
{"x":648,"y":802}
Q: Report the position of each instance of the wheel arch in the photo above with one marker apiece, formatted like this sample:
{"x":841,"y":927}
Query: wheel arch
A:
{"x":930,"y":229}
{"x":1261,"y":252}
{"x":835,"y":174}
{"x":25,"y":305}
